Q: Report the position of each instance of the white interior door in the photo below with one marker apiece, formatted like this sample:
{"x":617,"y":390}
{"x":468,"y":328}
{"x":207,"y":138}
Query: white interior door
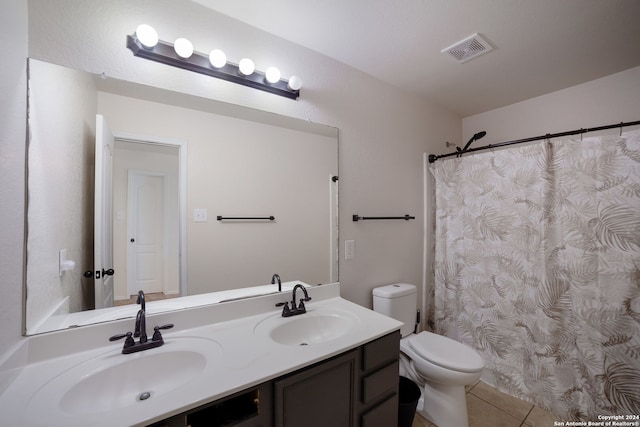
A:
{"x":145,"y":254}
{"x":103,"y":224}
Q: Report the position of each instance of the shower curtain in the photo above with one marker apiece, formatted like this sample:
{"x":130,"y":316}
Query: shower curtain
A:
{"x":537,"y":267}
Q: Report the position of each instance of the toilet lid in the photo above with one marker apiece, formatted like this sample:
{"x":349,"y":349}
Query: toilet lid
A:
{"x":446,"y":352}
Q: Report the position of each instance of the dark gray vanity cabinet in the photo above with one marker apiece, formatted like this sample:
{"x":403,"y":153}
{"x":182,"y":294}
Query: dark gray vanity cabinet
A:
{"x":358,"y":388}
{"x":378,"y":382}
{"x":320,"y":396}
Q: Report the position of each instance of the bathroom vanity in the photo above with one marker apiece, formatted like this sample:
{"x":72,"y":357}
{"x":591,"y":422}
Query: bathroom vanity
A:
{"x":238,"y":363}
{"x":356,"y":388}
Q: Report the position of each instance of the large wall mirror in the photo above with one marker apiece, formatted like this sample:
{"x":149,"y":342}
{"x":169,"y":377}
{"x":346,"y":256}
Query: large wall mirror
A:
{"x":130,"y":180}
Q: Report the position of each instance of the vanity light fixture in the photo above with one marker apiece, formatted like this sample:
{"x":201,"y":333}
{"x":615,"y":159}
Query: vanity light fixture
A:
{"x":295,"y":83}
{"x":183,"y":47}
{"x":272,"y":74}
{"x":144,"y":43}
{"x":246,"y":67}
{"x":217,"y":58}
{"x":147,"y":35}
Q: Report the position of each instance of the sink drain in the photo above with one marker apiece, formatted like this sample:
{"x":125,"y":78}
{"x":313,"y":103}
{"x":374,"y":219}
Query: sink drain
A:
{"x":144,"y":396}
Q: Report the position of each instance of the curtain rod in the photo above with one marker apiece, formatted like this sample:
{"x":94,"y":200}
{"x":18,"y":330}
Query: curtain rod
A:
{"x":434,"y":157}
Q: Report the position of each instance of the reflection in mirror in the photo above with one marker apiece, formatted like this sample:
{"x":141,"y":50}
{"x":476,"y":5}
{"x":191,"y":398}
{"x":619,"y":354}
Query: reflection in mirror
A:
{"x":178,"y":162}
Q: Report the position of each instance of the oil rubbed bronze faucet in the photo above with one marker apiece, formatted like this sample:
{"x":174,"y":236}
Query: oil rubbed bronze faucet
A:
{"x":295,"y":308}
{"x":274,"y":278}
{"x":141,"y":327}
{"x":140,"y":330}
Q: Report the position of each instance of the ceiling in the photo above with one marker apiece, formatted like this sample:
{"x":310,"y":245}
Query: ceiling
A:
{"x":540,"y":46}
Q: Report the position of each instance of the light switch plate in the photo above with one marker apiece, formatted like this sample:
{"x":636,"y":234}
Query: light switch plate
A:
{"x":349,"y":249}
{"x":200,"y":215}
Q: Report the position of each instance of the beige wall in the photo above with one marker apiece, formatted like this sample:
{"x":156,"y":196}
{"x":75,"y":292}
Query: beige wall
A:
{"x":608,"y":100}
{"x":241,"y":168}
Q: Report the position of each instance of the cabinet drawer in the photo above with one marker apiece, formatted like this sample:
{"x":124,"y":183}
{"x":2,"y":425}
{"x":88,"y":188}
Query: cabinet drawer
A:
{"x":380,"y":382}
{"x":383,"y":415}
{"x":381,"y":351}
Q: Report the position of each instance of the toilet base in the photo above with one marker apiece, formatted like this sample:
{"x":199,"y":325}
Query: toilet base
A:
{"x":445,"y":405}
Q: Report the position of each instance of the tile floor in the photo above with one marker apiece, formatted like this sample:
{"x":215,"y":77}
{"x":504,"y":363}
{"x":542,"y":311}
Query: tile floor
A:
{"x":488,"y":407}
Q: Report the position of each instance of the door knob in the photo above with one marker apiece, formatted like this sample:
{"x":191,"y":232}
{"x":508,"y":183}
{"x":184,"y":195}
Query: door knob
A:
{"x":133,"y":240}
{"x":88,"y":274}
{"x":109,"y":272}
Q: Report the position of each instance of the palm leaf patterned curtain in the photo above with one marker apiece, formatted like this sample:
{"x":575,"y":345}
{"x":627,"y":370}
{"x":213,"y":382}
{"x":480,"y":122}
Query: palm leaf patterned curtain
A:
{"x":537,"y":267}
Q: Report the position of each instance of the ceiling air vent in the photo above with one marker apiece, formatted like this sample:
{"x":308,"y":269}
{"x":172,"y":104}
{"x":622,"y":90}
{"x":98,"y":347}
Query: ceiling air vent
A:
{"x":468,"y":48}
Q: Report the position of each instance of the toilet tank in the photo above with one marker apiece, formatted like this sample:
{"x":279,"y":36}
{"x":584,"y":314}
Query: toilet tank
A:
{"x":399,"y":302}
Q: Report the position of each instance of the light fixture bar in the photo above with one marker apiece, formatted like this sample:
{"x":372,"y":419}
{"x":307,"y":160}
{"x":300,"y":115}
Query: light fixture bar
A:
{"x":164,"y":53}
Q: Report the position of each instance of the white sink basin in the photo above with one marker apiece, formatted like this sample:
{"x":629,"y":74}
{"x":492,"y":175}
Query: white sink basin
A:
{"x":312,"y":327}
{"x":115,"y":381}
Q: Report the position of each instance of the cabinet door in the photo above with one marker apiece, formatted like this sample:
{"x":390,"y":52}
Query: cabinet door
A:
{"x":320,"y":396}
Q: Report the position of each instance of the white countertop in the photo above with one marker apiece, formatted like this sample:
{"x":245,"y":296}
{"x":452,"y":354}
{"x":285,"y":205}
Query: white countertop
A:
{"x":246,"y":357}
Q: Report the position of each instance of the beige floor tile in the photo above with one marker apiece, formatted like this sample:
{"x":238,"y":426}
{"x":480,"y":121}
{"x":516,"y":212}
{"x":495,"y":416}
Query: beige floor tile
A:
{"x":482,"y":414}
{"x":489,"y":407}
{"x":467,"y":388}
{"x":540,"y":418}
{"x":509,"y":404}
{"x":418,"y":421}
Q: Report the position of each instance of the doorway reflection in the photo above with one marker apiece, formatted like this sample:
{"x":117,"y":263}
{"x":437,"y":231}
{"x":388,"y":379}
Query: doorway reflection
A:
{"x":146,"y":220}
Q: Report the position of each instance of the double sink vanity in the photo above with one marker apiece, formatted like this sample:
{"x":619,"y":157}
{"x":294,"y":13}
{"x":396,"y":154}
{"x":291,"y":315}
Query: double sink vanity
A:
{"x":235,"y":363}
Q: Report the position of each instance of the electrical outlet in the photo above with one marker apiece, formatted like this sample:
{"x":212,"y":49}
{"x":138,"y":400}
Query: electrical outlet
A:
{"x":349,"y":249}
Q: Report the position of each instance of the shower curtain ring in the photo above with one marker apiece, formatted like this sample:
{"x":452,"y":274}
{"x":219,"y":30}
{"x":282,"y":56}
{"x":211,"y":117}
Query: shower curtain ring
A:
{"x":621,"y":124}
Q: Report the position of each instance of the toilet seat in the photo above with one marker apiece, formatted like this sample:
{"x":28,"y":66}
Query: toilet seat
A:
{"x":445,"y":352}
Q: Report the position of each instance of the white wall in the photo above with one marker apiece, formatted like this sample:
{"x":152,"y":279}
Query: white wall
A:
{"x":608,"y":100}
{"x":383,"y":132}
{"x":13,"y":120}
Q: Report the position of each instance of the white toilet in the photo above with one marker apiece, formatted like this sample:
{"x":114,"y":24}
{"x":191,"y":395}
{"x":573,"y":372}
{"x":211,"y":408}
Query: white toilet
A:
{"x":441,"y":366}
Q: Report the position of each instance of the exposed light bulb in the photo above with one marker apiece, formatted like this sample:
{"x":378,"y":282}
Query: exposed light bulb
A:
{"x":183,"y":47}
{"x":246,"y":66}
{"x":295,"y":83}
{"x":147,"y":35}
{"x":272,"y":74}
{"x":217,"y":58}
